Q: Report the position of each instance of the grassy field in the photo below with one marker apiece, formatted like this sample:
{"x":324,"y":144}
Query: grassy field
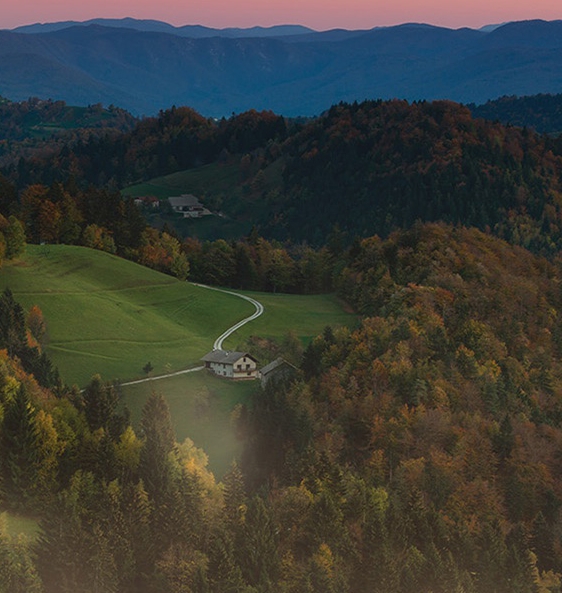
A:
{"x":221,"y":178}
{"x":307,"y":315}
{"x":220,"y":187}
{"x":109,"y":316}
{"x":19,"y":525}
{"x":209,"y":180}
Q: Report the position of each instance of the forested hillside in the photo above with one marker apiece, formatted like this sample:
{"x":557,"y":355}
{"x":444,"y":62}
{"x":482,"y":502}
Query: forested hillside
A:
{"x":38,"y":127}
{"x":179,"y":138}
{"x":378,"y":166}
{"x":542,"y":113}
{"x":419,"y":453}
{"x":367,"y":168}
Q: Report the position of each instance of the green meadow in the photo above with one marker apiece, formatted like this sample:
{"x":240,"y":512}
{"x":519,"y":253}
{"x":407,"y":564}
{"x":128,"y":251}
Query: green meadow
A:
{"x":202,"y":407}
{"x":110,"y":316}
{"x":19,"y":525}
{"x":221,"y":188}
{"x":306,"y":315}
{"x":222,"y":178}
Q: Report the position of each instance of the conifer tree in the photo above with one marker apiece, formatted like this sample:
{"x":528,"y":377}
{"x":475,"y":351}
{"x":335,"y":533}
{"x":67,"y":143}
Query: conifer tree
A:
{"x":19,"y":448}
{"x":158,"y":433}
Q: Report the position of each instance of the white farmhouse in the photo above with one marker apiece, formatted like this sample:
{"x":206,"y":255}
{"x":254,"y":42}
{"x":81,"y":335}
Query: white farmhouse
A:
{"x":233,"y":365}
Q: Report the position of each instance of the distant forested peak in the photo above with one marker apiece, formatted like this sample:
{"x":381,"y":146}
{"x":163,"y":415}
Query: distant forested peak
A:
{"x":542,"y":112}
{"x":369,"y":168}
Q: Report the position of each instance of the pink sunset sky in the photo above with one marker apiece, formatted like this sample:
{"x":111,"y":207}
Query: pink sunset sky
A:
{"x":328,"y":14}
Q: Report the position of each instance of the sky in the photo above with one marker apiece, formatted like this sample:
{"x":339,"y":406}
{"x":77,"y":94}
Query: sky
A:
{"x":320,"y":15}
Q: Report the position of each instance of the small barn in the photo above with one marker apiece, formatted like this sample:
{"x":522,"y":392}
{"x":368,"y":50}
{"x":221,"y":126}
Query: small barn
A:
{"x":233,"y":365}
{"x":278,"y":370}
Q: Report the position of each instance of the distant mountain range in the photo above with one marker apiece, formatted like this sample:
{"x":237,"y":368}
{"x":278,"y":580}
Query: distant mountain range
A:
{"x":145,"y":66}
{"x":194,"y":31}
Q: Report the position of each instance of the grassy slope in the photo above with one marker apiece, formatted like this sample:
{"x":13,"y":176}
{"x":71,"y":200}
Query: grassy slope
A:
{"x":209,"y":180}
{"x":111,"y":316}
{"x":221,"y":178}
{"x":220,"y":187}
{"x":17,"y":525}
{"x":307,"y":315}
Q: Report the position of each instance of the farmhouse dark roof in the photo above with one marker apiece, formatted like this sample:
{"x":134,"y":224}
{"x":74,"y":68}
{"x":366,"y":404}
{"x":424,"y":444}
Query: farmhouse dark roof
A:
{"x":226,"y":357}
{"x":184,"y":201}
{"x":272,"y":366}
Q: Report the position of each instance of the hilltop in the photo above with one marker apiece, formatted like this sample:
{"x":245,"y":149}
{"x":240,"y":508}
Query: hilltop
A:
{"x":366,"y":168}
{"x":542,"y":112}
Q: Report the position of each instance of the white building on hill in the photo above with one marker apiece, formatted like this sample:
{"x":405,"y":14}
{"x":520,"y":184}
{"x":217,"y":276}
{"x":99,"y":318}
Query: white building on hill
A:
{"x":234,"y":365}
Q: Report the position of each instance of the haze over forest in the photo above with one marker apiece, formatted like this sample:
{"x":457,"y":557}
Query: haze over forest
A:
{"x":372,"y":218}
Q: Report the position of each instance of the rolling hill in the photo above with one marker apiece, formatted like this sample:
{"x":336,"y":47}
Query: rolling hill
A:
{"x":294,"y":74}
{"x":107,"y":315}
{"x":542,"y":112}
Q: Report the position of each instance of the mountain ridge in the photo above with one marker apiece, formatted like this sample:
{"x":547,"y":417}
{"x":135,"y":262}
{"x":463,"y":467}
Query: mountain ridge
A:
{"x":303,"y":74}
{"x":155,"y":26}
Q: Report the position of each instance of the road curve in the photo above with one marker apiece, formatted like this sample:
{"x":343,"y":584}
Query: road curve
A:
{"x":259,"y":310}
{"x":219,"y":341}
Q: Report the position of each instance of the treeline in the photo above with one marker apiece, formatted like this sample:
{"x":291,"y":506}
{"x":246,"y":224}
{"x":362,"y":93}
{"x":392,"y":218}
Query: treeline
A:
{"x":96,"y":218}
{"x":418,"y":453}
{"x":253,"y":263}
{"x":39,"y":130}
{"x":101,"y":219}
{"x":178,"y":139}
{"x":542,"y":112}
{"x":20,"y":120}
{"x":21,"y":336}
{"x":369,"y":167}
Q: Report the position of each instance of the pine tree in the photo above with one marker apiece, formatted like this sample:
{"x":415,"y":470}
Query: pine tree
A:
{"x":19,"y":449}
{"x":100,"y":403}
{"x":15,"y":238}
{"x":156,"y":429}
{"x":257,"y":550}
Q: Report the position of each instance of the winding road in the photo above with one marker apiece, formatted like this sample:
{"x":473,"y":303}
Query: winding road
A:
{"x":219,"y":341}
{"x":259,"y":310}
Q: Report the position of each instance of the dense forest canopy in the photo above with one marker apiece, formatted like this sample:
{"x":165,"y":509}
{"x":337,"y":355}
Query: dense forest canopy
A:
{"x":419,"y":452}
{"x":369,"y":168}
{"x":38,"y":127}
{"x":542,"y":113}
